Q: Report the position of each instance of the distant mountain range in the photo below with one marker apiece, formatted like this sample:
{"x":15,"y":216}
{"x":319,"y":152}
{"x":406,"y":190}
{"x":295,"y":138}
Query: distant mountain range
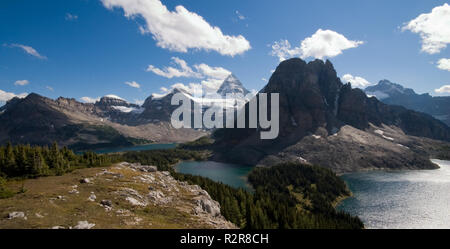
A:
{"x":109,"y":122}
{"x":322,"y":121}
{"x":159,"y":107}
{"x":395,"y":94}
{"x":328,"y":123}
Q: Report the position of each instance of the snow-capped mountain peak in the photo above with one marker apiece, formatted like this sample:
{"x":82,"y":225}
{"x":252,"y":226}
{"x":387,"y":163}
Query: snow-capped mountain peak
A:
{"x":232,"y":85}
{"x":385,"y":89}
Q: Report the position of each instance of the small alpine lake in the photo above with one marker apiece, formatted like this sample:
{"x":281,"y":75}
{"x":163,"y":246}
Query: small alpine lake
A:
{"x":231,"y":174}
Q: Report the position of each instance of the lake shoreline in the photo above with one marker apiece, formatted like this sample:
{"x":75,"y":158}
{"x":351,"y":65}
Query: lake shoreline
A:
{"x":399,"y":198}
{"x":230,"y":174}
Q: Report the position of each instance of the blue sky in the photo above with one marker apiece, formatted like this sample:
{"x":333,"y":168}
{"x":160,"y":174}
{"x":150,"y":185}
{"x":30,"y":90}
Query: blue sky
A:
{"x":89,"y":48}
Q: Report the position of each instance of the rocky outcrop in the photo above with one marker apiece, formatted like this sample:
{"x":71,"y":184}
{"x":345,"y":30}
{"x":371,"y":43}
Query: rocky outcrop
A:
{"x":84,"y":225}
{"x":206,"y":204}
{"x":125,"y":195}
{"x":168,"y":193}
{"x":15,"y":215}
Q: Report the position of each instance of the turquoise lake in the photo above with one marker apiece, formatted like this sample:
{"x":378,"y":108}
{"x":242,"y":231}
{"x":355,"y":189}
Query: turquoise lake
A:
{"x":138,"y":148}
{"x":232,"y":174}
{"x":402,"y":199}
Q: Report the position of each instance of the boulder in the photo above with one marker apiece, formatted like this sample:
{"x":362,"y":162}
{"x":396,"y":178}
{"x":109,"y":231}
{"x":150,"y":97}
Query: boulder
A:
{"x":92,"y":197}
{"x":85,"y":180}
{"x":14,"y":215}
{"x":84,"y":225}
{"x":135,"y":202}
{"x":208,"y":205}
{"x":106,"y":203}
{"x":155,"y":195}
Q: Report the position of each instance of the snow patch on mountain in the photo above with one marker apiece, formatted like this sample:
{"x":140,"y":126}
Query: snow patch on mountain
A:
{"x":377,"y":94}
{"x":112,"y":96}
{"x":128,"y":109}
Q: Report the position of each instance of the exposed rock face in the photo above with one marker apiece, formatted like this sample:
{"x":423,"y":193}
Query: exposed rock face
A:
{"x":27,"y":120}
{"x":313,"y":101}
{"x":395,"y":94}
{"x":117,"y":110}
{"x":160,"y":108}
{"x":206,"y":204}
{"x":110,"y":101}
{"x":386,"y":89}
{"x":143,"y":168}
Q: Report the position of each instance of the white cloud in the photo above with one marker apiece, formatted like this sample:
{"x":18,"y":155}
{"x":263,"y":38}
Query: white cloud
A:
{"x":205,"y":87}
{"x":264,"y":79}
{"x":183,"y":70}
{"x":444,"y":64}
{"x":211,"y":85}
{"x":323,"y":43}
{"x":212,"y":72}
{"x":326,"y":43}
{"x":211,"y":77}
{"x":239,"y":15}
{"x":133,"y":84}
{"x":5,"y":96}
{"x":283,"y":50}
{"x":194,"y":89}
{"x":50,"y":88}
{"x":71,"y":17}
{"x":89,"y":99}
{"x":29,"y":50}
{"x":433,"y":28}
{"x":356,"y":81}
{"x":443,"y":89}
{"x":21,"y":82}
{"x":179,"y":30}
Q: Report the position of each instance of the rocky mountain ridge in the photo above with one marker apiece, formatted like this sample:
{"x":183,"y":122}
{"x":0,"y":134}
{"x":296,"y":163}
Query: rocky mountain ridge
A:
{"x":395,"y":94}
{"x":314,"y":103}
{"x":39,"y":120}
